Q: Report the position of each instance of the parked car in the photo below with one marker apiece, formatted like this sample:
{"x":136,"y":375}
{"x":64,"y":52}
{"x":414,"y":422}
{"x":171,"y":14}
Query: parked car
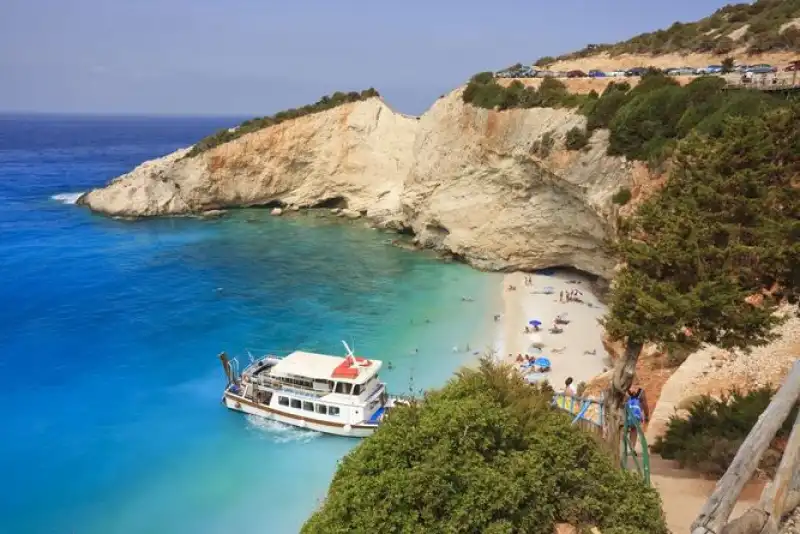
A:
{"x":682,"y":71}
{"x":616,"y":73}
{"x":762,"y":69}
{"x":741,"y":68}
{"x":793,"y":67}
{"x":636,"y":71}
{"x":576,"y":74}
{"x":711,"y":69}
{"x":594,"y":73}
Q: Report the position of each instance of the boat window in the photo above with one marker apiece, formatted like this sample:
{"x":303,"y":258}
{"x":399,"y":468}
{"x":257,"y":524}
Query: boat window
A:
{"x":344,"y":388}
{"x":295,"y":403}
{"x":322,"y":385}
{"x":321,"y":408}
{"x":283,"y":401}
{"x":333,"y":410}
{"x":308,"y":406}
{"x":357,"y":389}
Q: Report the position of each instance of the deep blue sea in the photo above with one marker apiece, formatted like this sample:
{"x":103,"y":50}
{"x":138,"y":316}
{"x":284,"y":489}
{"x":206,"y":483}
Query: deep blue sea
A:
{"x":109,"y":331}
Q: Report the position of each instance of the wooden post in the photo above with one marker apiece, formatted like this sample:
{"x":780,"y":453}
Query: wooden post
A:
{"x":775,"y":500}
{"x":775,"y":496}
{"x":717,"y":509}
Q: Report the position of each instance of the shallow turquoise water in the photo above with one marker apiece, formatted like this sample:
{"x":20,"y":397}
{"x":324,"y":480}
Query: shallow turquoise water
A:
{"x":109,"y":381}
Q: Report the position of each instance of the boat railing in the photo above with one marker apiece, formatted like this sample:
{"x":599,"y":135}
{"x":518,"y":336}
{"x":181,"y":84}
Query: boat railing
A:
{"x":277,"y":385}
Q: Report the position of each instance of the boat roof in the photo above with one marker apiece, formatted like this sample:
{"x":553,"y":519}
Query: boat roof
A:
{"x":321,"y":367}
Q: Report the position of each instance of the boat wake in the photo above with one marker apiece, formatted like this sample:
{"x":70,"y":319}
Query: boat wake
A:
{"x":67,"y":198}
{"x":278,"y":432}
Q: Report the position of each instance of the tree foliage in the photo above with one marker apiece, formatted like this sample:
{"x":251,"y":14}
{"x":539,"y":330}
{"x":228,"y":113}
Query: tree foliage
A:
{"x":725,"y":226}
{"x":485,"y":454}
{"x":325,"y":103}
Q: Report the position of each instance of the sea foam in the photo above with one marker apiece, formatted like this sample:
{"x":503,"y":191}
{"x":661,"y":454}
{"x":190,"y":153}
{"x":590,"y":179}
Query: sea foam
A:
{"x":67,"y":198}
{"x":278,"y":432}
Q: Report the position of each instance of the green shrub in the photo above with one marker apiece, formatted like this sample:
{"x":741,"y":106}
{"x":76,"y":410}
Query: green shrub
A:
{"x":642,"y":126}
{"x":488,"y":454}
{"x":576,"y":139}
{"x":326,"y":102}
{"x":483,"y":91}
{"x":622,"y":197}
{"x":542,"y":147}
{"x":600,"y":112}
{"x":708,"y":438}
{"x":544,"y":61}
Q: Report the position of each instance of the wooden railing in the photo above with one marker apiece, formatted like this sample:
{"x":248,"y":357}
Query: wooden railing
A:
{"x":782,"y":495}
{"x":589,"y":414}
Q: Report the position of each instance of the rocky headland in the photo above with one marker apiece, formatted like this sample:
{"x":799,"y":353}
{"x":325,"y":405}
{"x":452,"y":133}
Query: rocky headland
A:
{"x":494,"y":188}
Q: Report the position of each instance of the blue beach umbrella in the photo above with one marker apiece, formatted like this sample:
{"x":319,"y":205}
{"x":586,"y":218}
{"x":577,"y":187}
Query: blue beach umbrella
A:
{"x":535,"y":322}
{"x":541,"y":362}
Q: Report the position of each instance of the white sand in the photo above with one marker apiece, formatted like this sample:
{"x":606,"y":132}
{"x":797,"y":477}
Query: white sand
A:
{"x":568,"y":351}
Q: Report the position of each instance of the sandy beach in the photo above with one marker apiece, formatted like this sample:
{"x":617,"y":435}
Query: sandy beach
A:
{"x":578,"y":350}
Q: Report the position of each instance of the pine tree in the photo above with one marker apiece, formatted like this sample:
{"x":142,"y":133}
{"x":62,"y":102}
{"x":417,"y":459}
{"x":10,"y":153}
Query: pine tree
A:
{"x":725,"y":227}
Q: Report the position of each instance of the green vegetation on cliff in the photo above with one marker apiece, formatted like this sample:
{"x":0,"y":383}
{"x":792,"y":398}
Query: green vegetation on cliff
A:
{"x":645,"y":122}
{"x":763,"y":19}
{"x":484,"y":454}
{"x":325,"y":103}
{"x":483,"y":91}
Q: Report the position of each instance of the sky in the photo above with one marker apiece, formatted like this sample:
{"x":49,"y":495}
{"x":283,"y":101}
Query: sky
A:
{"x":256,"y":57}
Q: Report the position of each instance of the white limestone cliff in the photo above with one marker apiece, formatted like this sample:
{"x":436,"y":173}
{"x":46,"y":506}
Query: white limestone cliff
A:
{"x":464,"y":180}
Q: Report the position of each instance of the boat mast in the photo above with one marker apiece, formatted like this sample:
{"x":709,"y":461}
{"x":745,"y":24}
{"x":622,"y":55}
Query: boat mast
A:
{"x":226,"y":366}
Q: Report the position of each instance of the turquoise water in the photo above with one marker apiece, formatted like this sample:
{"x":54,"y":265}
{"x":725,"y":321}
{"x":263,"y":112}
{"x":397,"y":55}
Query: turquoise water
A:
{"x":109,"y":381}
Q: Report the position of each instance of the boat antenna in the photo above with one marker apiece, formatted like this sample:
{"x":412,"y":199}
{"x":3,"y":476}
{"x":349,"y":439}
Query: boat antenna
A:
{"x":250,"y":354}
{"x":347,"y":348}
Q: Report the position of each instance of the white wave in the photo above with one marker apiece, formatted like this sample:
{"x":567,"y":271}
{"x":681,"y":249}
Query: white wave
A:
{"x":278,"y":432}
{"x":67,"y":198}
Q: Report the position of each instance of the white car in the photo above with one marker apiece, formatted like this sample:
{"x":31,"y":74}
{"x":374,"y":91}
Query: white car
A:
{"x":616,"y":73}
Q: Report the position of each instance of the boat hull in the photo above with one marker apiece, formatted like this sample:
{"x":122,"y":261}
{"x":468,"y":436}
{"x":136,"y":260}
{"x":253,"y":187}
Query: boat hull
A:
{"x":240,"y":404}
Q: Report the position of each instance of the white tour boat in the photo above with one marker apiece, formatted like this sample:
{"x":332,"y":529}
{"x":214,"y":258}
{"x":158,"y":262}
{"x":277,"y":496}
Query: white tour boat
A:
{"x":331,"y":394}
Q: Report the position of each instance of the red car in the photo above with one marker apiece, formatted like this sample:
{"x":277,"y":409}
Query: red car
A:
{"x":793,"y":67}
{"x":576,"y":74}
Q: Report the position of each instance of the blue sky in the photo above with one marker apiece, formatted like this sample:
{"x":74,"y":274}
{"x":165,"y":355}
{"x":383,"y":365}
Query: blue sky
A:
{"x":248,"y":57}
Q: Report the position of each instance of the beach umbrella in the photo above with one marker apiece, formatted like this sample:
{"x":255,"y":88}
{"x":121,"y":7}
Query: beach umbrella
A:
{"x":541,"y":362}
{"x":535,"y":322}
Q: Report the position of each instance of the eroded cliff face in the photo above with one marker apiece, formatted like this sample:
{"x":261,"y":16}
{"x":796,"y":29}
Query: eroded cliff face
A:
{"x":465,"y":180}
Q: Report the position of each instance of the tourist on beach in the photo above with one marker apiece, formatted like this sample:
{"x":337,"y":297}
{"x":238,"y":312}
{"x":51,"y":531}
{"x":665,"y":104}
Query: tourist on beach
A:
{"x":569,"y":389}
{"x":561,"y":296}
{"x":637,"y":411}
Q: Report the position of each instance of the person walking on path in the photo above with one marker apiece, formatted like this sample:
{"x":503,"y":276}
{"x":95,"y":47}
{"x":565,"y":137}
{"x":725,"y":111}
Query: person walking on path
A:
{"x":638,"y":411}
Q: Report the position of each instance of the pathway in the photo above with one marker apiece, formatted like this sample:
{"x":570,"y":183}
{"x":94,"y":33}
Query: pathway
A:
{"x":684,"y":493}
